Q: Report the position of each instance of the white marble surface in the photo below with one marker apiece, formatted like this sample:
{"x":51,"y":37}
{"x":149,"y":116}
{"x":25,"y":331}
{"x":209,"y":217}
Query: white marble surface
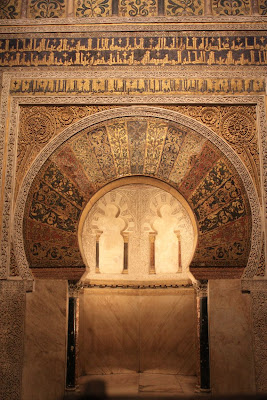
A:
{"x":231,"y":345}
{"x":138,"y":385}
{"x":45,"y":341}
{"x":129,"y":330}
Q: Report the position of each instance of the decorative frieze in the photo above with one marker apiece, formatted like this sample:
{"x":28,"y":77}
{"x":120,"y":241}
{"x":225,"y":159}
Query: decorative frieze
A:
{"x":163,"y":86}
{"x":10,"y":9}
{"x":138,"y":50}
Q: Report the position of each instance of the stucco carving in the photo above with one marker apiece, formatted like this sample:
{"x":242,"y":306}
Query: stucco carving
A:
{"x":259,"y":312}
{"x":138,"y":209}
{"x":144,"y":111}
{"x":258,"y":100}
{"x":12,"y":313}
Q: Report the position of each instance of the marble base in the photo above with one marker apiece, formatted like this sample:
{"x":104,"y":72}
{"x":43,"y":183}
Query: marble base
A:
{"x":136,"y":385}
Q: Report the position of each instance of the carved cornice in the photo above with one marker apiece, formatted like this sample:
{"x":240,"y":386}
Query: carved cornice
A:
{"x":122,"y":24}
{"x":75,"y":288}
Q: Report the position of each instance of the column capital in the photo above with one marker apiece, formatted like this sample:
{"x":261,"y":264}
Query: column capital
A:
{"x":125,"y":236}
{"x":201,"y":288}
{"x":74,"y":289}
{"x":98,"y":233}
{"x":152,"y":236}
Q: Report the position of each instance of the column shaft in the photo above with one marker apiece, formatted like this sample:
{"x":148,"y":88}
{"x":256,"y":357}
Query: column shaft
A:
{"x":71,"y":348}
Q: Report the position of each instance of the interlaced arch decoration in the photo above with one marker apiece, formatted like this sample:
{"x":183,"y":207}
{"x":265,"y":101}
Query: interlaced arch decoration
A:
{"x":137,"y":111}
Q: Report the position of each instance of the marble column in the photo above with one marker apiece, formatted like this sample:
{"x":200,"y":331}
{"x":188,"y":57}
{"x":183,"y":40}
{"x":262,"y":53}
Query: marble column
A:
{"x":152,"y":238}
{"x":98,"y":234}
{"x":125,"y":236}
{"x":72,"y":340}
{"x":203,"y":336}
{"x":178,"y":234}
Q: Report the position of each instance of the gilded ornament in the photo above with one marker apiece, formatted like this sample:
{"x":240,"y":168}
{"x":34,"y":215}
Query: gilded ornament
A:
{"x":10,"y":9}
{"x":184,"y":7}
{"x":210,"y":115}
{"x":66,"y":115}
{"x":238,"y":128}
{"x":262,"y":7}
{"x":46,"y":8}
{"x":141,"y":8}
{"x":38,"y":127}
{"x":93,"y":8}
{"x":231,"y":7}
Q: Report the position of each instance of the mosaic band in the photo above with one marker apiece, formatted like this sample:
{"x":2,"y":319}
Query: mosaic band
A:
{"x":135,"y":50}
{"x":136,"y":86}
{"x":36,"y":9}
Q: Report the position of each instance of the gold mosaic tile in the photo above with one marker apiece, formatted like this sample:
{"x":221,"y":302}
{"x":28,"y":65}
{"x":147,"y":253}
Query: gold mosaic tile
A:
{"x":262,"y":7}
{"x":231,"y":7}
{"x":138,"y":8}
{"x":10,"y":9}
{"x":93,"y":8}
{"x":184,"y":7}
{"x":47,"y":8}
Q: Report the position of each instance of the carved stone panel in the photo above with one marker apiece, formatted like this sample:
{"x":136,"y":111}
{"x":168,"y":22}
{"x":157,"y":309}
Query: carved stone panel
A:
{"x":12,"y":312}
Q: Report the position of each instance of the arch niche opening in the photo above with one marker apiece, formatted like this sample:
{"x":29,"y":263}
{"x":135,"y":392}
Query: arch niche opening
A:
{"x":119,"y":307}
{"x":137,"y":228}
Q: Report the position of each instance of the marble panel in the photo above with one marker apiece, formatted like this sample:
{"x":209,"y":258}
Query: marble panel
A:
{"x":109,"y":329}
{"x":128,"y":330}
{"x":167,"y":331}
{"x":136,"y":385}
{"x":163,"y":384}
{"x":230,"y":334}
{"x":45,"y":341}
{"x":111,"y":385}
